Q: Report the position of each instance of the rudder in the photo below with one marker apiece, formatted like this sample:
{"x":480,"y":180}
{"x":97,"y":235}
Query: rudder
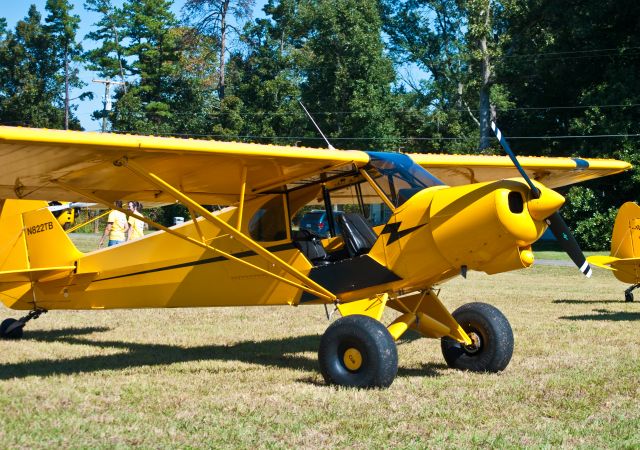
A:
{"x":625,"y":240}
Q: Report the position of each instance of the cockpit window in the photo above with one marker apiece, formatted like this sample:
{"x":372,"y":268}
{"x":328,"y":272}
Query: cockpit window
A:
{"x":268,"y":223}
{"x":398,"y":176}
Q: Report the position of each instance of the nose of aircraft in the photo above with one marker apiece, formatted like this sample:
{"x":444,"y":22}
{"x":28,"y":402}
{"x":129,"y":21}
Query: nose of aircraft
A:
{"x":546,"y":204}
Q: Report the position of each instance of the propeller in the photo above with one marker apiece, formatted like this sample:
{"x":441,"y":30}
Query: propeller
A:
{"x":555,"y":221}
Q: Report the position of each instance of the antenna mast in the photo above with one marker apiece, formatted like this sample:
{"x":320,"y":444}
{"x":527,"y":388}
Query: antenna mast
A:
{"x":331,"y":147}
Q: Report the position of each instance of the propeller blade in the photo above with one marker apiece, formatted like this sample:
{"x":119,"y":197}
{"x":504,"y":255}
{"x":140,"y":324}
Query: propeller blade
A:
{"x":555,"y":221}
{"x":568,"y":243}
{"x":534,"y":190}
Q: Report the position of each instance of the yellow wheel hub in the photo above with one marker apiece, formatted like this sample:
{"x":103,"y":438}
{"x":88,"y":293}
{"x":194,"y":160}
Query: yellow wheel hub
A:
{"x":352,"y":359}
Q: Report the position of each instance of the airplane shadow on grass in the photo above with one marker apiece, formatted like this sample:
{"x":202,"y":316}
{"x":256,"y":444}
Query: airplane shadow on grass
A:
{"x":586,"y":302}
{"x":606,"y":315}
{"x":285,"y":353}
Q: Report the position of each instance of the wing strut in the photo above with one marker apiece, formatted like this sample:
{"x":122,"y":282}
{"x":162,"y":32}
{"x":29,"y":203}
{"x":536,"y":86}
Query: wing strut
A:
{"x":305,"y":284}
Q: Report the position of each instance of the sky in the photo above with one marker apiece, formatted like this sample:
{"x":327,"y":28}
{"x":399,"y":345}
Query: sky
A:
{"x":15,"y":10}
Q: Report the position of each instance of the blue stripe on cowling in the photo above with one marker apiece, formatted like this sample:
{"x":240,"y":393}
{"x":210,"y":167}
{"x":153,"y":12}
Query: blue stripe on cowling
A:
{"x":581,"y":163}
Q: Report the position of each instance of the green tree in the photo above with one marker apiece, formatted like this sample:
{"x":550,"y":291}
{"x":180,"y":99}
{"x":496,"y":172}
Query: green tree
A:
{"x":30,"y":90}
{"x":108,"y":59}
{"x":269,"y":78}
{"x":455,"y":44}
{"x":578,"y":80}
{"x":330,"y":55}
{"x":61,"y":27}
{"x":150,"y":56}
{"x":429,"y":35}
{"x":347,"y":77}
{"x":212,"y":18}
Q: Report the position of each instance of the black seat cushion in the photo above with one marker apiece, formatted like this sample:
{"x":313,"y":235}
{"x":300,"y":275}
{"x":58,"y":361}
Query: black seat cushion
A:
{"x":358,"y":235}
{"x":310,"y":246}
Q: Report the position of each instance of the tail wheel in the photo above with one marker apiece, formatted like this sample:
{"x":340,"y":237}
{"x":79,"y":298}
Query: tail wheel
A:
{"x":358,"y":351}
{"x":9,"y":332}
{"x":492,"y":338}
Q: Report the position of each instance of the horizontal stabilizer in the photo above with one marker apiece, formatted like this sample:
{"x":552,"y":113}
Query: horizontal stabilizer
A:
{"x":613,"y":263}
{"x":63,"y":206}
{"x":13,"y":276}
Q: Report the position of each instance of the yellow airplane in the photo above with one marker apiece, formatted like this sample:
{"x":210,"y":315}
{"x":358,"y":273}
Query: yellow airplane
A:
{"x":247,"y":253}
{"x":66,"y":212}
{"x":624,"y":260}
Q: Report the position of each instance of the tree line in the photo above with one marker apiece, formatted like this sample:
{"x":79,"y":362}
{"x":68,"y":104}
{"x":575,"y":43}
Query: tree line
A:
{"x":560,"y":78}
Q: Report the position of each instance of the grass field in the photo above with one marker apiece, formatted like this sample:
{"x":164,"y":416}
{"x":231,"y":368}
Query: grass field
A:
{"x":247,"y":377}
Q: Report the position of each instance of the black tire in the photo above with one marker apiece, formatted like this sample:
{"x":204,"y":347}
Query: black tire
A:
{"x":16,"y":333}
{"x":492,"y":335}
{"x":367,"y":338}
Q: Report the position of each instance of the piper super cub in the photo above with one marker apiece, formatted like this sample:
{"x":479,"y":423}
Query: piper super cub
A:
{"x":401,"y":231}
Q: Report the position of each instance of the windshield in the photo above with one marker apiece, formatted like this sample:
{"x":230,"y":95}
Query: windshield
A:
{"x":398,"y":176}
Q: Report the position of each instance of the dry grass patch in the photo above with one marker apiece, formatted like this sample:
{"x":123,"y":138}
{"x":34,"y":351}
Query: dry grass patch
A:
{"x":248,"y":377}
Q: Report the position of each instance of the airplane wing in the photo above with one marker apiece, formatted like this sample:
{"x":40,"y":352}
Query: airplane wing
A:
{"x":553,"y":172}
{"x":34,"y":161}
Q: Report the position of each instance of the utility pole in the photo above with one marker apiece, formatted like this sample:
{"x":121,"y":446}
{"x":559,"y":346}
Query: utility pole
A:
{"x":107,"y":99}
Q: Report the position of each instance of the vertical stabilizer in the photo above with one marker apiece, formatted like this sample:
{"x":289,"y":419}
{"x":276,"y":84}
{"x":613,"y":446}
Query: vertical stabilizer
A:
{"x":31,"y":237}
{"x":47,"y":243}
{"x":13,"y":246}
{"x":625,"y":240}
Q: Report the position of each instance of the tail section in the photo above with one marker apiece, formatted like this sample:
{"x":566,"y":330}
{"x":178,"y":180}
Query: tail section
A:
{"x":625,"y":240}
{"x":32,"y":239}
{"x":33,"y":246}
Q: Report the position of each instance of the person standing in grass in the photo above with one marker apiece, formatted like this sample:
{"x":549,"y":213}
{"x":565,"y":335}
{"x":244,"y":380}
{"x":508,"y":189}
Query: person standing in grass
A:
{"x":117,"y":227}
{"x":136,"y":226}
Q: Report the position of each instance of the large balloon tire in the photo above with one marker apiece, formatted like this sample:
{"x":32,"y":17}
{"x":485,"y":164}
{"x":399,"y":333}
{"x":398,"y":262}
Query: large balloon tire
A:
{"x":492,"y":336}
{"x":16,"y":333}
{"x":375,"y":348}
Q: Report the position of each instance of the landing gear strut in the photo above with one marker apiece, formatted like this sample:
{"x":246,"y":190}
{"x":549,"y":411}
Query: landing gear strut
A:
{"x":13,"y":328}
{"x":628,"y":294}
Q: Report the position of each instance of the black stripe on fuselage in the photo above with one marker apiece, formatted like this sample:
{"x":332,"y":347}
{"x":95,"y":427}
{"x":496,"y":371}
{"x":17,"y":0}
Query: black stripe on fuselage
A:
{"x":338,"y":277}
{"x":277,"y":248}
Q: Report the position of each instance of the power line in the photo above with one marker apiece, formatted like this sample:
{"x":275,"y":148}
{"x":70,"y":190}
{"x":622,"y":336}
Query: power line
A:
{"x":544,"y":108}
{"x":354,"y":138}
{"x":407,"y":111}
{"x":568,"y":58}
{"x":544,"y":56}
{"x":571,"y":52}
{"x":590,"y":136}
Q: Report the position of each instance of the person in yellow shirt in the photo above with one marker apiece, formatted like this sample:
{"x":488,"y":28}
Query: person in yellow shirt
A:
{"x":136,"y":226}
{"x":117,"y":227}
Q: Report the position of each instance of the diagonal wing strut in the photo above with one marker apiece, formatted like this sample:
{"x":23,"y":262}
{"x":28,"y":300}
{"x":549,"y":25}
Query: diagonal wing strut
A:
{"x":305,"y":283}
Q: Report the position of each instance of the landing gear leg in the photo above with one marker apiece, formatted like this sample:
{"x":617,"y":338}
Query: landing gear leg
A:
{"x":628,"y":294}
{"x":13,"y":328}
